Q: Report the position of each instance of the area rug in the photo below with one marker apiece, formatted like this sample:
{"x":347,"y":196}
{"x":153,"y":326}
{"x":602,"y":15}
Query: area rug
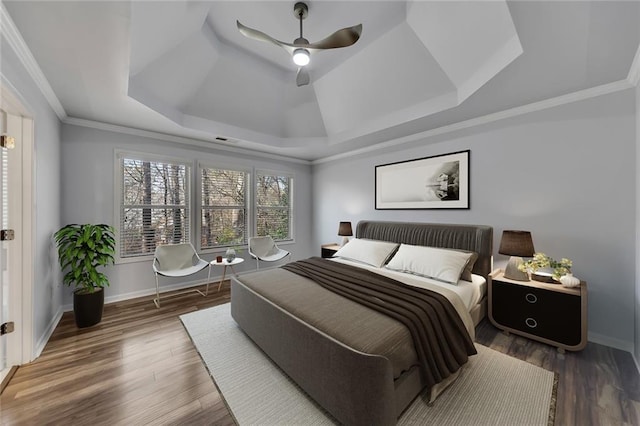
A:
{"x":493,"y":389}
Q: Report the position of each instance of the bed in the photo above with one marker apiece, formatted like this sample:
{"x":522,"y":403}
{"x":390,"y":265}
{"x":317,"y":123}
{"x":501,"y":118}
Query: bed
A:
{"x":368,"y":377}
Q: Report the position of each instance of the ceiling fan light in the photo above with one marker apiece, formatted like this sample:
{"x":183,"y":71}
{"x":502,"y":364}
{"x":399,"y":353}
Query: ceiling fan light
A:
{"x":301,"y":57}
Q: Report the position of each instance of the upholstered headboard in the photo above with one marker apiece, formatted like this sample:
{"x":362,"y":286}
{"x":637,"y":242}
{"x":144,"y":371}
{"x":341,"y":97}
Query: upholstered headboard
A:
{"x":477,"y":238}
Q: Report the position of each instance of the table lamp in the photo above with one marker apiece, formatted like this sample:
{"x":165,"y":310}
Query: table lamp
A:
{"x":517,"y":244}
{"x":345,"y":232}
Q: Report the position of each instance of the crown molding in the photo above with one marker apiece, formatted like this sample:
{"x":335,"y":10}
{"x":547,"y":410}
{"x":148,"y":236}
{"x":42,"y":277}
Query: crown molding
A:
{"x":10,"y":32}
{"x":634,"y":72}
{"x":81,"y":122}
{"x":580,"y":95}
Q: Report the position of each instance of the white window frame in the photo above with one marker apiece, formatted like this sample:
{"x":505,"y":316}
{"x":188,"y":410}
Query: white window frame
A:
{"x":249,"y":206}
{"x":118,"y":188}
{"x":195,"y":198}
{"x":291,"y":176}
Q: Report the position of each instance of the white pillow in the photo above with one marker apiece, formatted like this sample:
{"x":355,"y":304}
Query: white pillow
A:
{"x":440,"y":264}
{"x":371,"y":252}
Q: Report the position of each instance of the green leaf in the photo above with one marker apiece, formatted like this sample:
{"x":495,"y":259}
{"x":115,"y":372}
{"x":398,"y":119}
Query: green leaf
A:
{"x":83,"y":248}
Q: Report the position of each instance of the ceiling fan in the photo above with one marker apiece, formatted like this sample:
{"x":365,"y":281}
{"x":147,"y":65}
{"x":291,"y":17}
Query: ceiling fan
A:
{"x":301,"y":49}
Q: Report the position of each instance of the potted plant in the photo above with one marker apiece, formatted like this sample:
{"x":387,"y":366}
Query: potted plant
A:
{"x":541,"y":261}
{"x":82,"y":249}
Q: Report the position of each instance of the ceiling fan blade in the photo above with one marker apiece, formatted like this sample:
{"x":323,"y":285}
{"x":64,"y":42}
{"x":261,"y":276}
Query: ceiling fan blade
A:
{"x":260,"y":36}
{"x":302,"y":78}
{"x":341,"y":38}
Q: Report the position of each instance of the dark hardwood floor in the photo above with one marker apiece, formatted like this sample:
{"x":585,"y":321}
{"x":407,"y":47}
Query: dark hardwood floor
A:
{"x":597,"y":386}
{"x":138,"y":367}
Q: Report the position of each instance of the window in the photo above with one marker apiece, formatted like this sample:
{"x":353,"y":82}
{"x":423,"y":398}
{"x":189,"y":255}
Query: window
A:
{"x":154,"y":205}
{"x":224,"y":208}
{"x":273,"y":206}
{"x":162,"y":200}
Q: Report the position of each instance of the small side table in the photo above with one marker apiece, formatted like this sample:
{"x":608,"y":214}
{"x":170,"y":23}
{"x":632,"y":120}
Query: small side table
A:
{"x":328,"y":250}
{"x":225,"y":263}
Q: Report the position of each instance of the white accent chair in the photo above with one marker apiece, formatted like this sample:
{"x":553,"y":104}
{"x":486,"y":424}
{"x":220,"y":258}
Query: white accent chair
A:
{"x":265,"y":249}
{"x":178,"y":260}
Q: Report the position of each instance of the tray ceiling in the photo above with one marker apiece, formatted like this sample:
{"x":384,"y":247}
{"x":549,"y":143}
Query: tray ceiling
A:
{"x":182,"y":68}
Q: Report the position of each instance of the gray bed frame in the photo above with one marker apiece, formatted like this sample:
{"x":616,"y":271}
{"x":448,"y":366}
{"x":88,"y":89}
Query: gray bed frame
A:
{"x":354,"y":387}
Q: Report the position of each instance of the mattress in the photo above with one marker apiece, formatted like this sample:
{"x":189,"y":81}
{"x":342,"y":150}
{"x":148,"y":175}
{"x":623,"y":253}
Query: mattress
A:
{"x":470,"y":292}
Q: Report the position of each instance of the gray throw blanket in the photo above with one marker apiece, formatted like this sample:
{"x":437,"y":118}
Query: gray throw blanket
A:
{"x":440,"y":338}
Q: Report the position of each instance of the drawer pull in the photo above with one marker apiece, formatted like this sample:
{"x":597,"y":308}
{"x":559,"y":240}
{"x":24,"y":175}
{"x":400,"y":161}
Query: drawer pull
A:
{"x":531,"y":298}
{"x":531,"y":323}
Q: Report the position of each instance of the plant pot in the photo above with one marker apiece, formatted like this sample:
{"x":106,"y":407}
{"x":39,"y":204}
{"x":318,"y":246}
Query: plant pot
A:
{"x":87,"y":307}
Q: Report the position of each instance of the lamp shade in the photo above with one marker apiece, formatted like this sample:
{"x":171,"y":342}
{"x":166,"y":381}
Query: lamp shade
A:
{"x":345,"y":229}
{"x":516,"y":243}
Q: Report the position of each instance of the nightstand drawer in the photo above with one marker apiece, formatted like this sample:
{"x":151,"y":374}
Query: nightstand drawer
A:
{"x":328,"y":250}
{"x":545,"y":313}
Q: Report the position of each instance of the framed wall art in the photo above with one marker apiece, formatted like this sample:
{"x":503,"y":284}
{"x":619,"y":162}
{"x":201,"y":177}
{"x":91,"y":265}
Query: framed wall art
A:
{"x":438,"y":182}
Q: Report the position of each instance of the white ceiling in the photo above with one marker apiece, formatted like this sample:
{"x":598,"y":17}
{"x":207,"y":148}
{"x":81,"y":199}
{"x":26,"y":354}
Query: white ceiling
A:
{"x":182,"y":68}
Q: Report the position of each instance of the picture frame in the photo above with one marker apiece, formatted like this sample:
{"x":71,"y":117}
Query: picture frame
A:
{"x":436,"y":182}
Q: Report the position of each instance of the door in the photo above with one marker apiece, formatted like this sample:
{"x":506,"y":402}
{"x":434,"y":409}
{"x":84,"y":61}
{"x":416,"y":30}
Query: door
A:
{"x":10,"y":292}
{"x":4,"y":282}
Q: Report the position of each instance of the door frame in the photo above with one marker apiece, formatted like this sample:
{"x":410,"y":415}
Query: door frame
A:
{"x":23,"y":351}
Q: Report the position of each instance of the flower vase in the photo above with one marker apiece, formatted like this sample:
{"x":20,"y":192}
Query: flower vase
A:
{"x":230,"y":255}
{"x":568,"y":280}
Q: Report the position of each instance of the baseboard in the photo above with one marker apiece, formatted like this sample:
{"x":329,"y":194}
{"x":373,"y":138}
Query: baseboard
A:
{"x":151,"y":291}
{"x":601,"y":339}
{"x":44,"y":339}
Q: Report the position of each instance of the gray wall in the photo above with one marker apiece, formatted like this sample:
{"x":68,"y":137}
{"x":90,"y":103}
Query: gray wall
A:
{"x":88,"y":164}
{"x":46,"y":291}
{"x":567,"y":174}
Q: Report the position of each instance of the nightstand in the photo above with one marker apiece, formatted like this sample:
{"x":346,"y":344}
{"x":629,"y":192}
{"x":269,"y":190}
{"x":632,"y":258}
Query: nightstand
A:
{"x":329,"y":250}
{"x":548,"y":313}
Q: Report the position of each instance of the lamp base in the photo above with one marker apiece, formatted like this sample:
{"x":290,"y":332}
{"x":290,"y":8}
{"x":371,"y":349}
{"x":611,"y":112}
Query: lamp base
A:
{"x":345,"y":240}
{"x":512,"y":272}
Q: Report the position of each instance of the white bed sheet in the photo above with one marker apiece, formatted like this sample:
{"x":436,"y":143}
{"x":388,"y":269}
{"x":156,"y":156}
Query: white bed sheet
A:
{"x":471,"y":293}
